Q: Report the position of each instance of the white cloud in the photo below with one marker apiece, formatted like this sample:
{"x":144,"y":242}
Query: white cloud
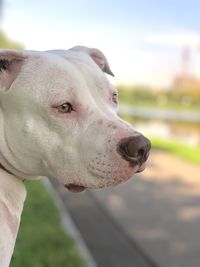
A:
{"x":130,"y":66}
{"x":174,"y":39}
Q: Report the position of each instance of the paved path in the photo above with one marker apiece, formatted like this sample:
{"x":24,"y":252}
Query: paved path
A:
{"x":160,"y":209}
{"x":152,"y":220}
{"x":106,"y":240}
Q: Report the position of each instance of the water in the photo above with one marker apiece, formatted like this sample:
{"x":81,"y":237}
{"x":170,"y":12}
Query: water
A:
{"x":160,"y":124}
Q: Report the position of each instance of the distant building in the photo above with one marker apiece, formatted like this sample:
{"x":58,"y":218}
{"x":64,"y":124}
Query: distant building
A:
{"x":187,"y":81}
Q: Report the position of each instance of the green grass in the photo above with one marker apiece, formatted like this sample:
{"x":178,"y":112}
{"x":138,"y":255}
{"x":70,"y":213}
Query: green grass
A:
{"x":187,"y":152}
{"x":184,"y":151}
{"x":41,"y":241}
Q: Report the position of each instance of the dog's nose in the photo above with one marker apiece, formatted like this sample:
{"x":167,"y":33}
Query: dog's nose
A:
{"x":134,"y":148}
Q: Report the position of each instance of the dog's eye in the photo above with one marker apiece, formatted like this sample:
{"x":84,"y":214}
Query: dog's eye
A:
{"x":115,"y":98}
{"x":65,"y":108}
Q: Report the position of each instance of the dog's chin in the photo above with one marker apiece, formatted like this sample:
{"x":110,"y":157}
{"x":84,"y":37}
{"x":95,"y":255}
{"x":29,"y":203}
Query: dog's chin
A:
{"x":78,"y":188}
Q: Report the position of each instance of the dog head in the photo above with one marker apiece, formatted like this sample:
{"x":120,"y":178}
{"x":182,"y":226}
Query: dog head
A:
{"x":58,"y":116}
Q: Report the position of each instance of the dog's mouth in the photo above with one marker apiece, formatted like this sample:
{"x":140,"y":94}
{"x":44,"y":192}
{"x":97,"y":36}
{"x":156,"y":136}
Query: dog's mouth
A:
{"x":75,"y":188}
{"x":141,"y":168}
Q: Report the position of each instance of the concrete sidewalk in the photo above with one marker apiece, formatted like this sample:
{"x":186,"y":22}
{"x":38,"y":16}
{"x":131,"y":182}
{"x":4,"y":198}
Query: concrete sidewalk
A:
{"x":152,"y":220}
{"x":106,"y":240}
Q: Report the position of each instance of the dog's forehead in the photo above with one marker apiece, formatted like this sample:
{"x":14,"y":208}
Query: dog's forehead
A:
{"x":78,"y":70}
{"x":81,"y":63}
{"x":64,"y":75}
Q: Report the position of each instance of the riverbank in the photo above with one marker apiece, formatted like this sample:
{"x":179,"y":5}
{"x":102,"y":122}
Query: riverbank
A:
{"x":160,"y":113}
{"x":172,"y":99}
{"x":184,"y":151}
{"x":168,"y":130}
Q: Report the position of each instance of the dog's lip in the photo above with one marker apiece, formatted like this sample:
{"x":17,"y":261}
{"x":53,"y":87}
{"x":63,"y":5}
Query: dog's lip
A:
{"x":141,"y":168}
{"x":75,"y":188}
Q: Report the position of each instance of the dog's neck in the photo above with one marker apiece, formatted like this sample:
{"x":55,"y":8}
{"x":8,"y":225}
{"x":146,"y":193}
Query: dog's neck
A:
{"x":12,"y":196}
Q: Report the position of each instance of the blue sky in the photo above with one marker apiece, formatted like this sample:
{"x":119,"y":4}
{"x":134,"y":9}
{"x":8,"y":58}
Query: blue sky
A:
{"x":142,"y":39}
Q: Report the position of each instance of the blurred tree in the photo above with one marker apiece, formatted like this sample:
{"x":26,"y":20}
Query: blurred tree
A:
{"x":5,"y":42}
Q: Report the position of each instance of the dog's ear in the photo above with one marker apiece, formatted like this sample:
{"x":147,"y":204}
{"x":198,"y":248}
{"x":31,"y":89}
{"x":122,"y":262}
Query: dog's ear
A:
{"x":97,"y":56}
{"x":10,"y":65}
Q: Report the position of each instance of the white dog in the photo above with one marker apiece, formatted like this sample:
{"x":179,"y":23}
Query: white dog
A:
{"x":58,"y":118}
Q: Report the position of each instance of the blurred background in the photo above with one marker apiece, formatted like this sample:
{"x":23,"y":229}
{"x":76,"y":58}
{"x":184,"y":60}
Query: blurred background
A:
{"x":153,"y":48}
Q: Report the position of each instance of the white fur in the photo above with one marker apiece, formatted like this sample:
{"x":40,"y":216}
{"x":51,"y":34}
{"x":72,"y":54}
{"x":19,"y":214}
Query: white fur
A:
{"x":35,"y":139}
{"x":12,"y":196}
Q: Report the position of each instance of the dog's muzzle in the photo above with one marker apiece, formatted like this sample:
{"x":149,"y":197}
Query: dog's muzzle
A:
{"x":134,"y":149}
